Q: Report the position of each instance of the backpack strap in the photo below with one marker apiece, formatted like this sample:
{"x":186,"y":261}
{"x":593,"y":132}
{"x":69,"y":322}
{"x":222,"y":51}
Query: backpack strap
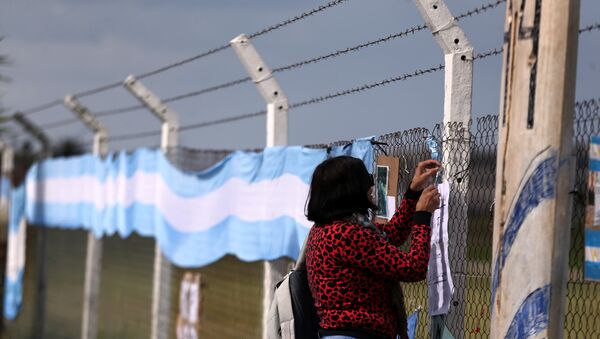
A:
{"x":301,"y":262}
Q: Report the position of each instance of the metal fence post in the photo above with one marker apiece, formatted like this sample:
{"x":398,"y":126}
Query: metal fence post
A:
{"x":277,"y":135}
{"x":161,"y":292}
{"x":40,"y":312}
{"x":458,"y":55}
{"x":93,"y":260}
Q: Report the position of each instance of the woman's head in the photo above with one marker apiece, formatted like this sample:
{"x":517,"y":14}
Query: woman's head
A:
{"x":339,"y":188}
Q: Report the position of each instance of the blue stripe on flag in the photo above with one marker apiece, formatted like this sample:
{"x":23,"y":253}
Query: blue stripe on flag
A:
{"x":248,"y":166}
{"x":594,"y":165}
{"x":592,"y":270}
{"x":412,"y":323}
{"x":592,"y":237}
{"x":249,"y":241}
{"x":13,"y":296}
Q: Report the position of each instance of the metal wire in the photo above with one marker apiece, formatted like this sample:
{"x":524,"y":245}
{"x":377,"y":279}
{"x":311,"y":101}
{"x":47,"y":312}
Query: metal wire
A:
{"x":135,"y":135}
{"x":222,"y":121}
{"x":296,"y":18}
{"x":337,"y":53}
{"x":365,"y":87}
{"x":589,"y":28}
{"x":42,"y":107}
{"x":183,"y":62}
{"x":481,"y":9}
{"x":208,"y":90}
{"x":59,"y":123}
{"x":322,"y":98}
{"x":118,"y":110}
{"x":495,"y":51}
{"x":406,"y":32}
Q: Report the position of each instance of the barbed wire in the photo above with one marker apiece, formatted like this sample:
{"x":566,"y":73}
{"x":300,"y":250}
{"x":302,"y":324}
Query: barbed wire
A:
{"x":357,"y":89}
{"x":589,"y":28}
{"x":117,"y":111}
{"x":132,"y":136}
{"x":493,"y":52}
{"x":409,"y":31}
{"x":59,"y":123}
{"x":42,"y":107}
{"x":337,"y":53}
{"x":222,"y":121}
{"x":296,"y":18}
{"x":162,"y":69}
{"x":481,"y":9}
{"x":208,"y":90}
{"x":319,"y":99}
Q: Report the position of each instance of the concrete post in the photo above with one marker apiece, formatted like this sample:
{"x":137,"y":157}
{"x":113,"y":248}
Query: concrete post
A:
{"x":277,"y":135}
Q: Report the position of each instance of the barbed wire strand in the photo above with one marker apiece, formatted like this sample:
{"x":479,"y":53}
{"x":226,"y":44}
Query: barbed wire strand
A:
{"x":162,"y":69}
{"x":42,"y":107}
{"x":222,"y":121}
{"x":296,"y":18}
{"x":481,"y":9}
{"x":59,"y":123}
{"x":315,"y":100}
{"x":589,"y":28}
{"x":409,"y":31}
{"x":135,"y":135}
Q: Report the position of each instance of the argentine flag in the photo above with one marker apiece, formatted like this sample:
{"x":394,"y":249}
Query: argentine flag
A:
{"x":251,"y":204}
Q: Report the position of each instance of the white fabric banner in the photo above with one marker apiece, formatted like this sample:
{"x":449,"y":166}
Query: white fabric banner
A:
{"x":439,"y":277}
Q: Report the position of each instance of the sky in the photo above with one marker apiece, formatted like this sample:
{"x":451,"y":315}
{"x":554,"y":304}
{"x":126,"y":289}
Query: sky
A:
{"x":57,"y":47}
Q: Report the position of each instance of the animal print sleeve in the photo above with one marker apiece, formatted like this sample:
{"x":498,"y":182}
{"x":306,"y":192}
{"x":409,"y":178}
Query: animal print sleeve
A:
{"x":399,"y":227}
{"x":359,"y":246}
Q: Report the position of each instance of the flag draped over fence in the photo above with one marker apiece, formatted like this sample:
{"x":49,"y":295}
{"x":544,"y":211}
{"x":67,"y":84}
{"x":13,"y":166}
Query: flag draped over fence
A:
{"x":15,"y":261}
{"x":251,"y":204}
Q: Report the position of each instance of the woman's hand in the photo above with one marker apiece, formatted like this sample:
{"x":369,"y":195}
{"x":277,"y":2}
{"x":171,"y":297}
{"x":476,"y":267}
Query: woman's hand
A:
{"x":429,"y":200}
{"x":425,"y":170}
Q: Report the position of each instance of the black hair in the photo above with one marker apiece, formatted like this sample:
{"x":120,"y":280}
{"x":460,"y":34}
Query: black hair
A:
{"x":339,"y":188}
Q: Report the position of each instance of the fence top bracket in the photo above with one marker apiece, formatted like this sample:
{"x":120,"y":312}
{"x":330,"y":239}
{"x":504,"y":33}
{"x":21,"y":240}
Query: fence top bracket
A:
{"x":35,"y":131}
{"x":84,"y":114}
{"x":151,"y":101}
{"x":259,"y":72}
{"x":449,"y":36}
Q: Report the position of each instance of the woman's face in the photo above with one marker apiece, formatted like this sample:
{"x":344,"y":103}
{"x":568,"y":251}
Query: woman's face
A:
{"x":371,"y":195}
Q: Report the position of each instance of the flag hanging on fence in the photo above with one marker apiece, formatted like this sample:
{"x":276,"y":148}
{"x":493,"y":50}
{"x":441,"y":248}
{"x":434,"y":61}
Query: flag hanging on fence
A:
{"x":251,"y":204}
{"x":411,"y":324}
{"x":592,"y":225}
{"x":15,"y":262}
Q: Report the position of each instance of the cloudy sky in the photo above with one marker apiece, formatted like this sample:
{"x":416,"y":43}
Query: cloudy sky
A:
{"x":65,"y":46}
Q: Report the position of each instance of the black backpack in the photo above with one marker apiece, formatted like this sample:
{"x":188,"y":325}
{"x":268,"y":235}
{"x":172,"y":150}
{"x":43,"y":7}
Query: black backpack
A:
{"x":292,"y":314}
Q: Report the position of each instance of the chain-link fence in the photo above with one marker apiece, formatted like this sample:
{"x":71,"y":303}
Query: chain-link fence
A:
{"x":232,"y":290}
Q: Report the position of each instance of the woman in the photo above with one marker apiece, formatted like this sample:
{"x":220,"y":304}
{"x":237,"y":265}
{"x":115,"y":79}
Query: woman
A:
{"x":353,"y":265}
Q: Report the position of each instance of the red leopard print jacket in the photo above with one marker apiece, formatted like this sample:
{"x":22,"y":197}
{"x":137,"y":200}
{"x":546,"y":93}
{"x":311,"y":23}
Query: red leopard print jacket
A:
{"x":351,"y":269}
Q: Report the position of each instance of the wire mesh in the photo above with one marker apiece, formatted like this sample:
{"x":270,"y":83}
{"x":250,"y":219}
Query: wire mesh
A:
{"x":232,"y":289}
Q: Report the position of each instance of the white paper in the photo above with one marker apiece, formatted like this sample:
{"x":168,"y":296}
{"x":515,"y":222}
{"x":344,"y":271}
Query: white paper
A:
{"x":439,"y":277}
{"x":391,"y":207}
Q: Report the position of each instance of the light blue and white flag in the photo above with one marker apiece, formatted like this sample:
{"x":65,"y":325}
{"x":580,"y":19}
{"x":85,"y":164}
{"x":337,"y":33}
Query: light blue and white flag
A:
{"x":592,"y":230}
{"x":412,"y":322}
{"x":15,"y":262}
{"x":250,"y":204}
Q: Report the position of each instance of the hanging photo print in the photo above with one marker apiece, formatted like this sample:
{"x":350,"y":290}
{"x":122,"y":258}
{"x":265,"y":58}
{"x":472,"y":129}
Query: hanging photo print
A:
{"x":386,"y":188}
